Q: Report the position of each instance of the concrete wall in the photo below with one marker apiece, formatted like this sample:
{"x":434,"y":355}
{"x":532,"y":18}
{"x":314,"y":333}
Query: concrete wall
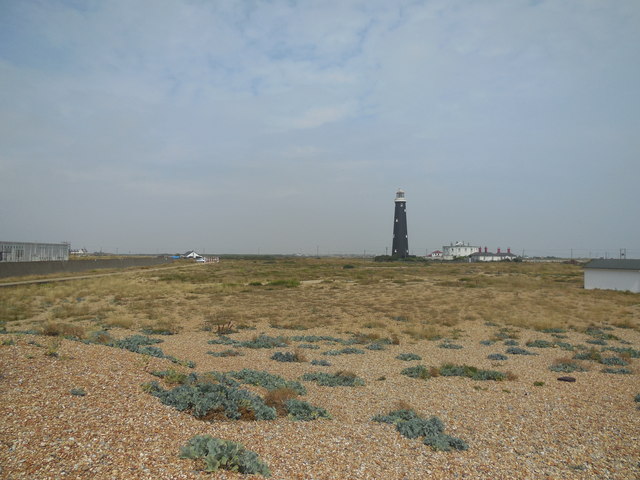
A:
{"x":19,"y":269}
{"x":604,"y":279}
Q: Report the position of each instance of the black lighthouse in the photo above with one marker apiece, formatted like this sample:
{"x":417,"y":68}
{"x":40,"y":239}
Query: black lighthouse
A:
{"x":400,"y":246}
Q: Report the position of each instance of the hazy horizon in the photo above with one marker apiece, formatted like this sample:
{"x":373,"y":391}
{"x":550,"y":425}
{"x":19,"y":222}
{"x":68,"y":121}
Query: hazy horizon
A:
{"x":287,"y":127}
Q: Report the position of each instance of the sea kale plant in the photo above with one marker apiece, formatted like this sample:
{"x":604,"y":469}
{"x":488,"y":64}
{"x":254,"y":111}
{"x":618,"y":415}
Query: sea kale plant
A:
{"x":208,"y":400}
{"x":408,"y":357}
{"x":411,"y":425}
{"x":266,"y":380}
{"x":223,"y":454}
{"x":338,"y":379}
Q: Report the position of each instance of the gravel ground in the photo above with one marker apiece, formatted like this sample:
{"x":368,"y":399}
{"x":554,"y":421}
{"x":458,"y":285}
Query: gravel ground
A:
{"x":515,"y":430}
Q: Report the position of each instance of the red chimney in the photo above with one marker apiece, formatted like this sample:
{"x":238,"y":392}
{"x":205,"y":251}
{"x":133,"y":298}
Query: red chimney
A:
{"x":498,"y":249}
{"x":485,"y":249}
{"x":509,"y":250}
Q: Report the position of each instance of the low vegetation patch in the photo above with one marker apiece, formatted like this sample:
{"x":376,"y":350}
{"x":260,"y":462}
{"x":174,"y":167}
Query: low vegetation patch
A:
{"x":289,"y":357}
{"x":344,"y":351}
{"x":411,"y":425}
{"x":338,"y":379}
{"x":497,"y":357}
{"x":216,"y":454}
{"x":540,"y":344}
{"x":207,"y":400}
{"x":266,"y":380}
{"x":618,"y":371}
{"x":564,"y":365}
{"x":451,"y":370}
{"x":406,"y":357}
{"x":519,"y":351}
{"x":418,"y":371}
{"x":227,"y":353}
{"x":320,"y":363}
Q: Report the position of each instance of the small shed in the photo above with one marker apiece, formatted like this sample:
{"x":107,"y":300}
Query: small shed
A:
{"x":613,"y":274}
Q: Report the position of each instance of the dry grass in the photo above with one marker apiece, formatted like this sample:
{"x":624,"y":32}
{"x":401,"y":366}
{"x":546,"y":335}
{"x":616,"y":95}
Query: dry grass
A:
{"x":415,"y":301}
{"x":277,"y":398}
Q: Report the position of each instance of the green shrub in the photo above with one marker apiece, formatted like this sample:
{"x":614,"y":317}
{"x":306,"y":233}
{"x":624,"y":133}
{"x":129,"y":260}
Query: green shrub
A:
{"x":309,"y":346}
{"x":287,"y":283}
{"x":286,"y":357}
{"x":566,"y":367}
{"x":637,"y":398}
{"x":265,"y":341}
{"x":417,"y":371}
{"x":626,"y":351}
{"x":553,"y":330}
{"x":317,"y":338}
{"x":78,"y":392}
{"x":301,"y":410}
{"x":487,"y":342}
{"x":224,"y":454}
{"x":611,"y":361}
{"x":339,"y":379}
{"x":497,"y":356}
{"x":540,"y":344}
{"x":511,"y":343}
{"x":134,"y":342}
{"x":410,"y":425}
{"x":227,"y":353}
{"x":321,"y":363}
{"x":591,"y":354}
{"x":451,"y":346}
{"x":408,"y":357}
{"x":223,"y":340}
{"x":618,"y":371}
{"x":375,"y":346}
{"x":172,"y":377}
{"x":596,"y":341}
{"x":451,"y":370}
{"x":344,"y":351}
{"x":207,"y":401}
{"x":266,"y":380}
{"x":519,"y":351}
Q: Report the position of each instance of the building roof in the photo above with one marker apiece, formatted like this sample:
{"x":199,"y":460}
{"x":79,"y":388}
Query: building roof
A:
{"x":614,"y":264}
{"x":491,"y":254}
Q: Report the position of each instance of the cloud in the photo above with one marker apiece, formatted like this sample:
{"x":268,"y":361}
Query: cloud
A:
{"x":184,"y":105}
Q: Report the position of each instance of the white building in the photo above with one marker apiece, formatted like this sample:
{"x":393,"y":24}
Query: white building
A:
{"x":33,"y":252}
{"x":458,"y":249}
{"x":492,"y":257}
{"x":612,"y":274}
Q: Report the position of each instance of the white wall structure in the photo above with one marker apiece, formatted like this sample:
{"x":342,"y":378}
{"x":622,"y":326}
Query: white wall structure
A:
{"x":458,"y":249}
{"x":612,"y":274}
{"x":33,"y":252}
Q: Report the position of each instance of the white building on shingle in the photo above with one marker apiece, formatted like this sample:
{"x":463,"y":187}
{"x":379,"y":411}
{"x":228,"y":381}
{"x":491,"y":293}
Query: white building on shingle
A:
{"x":458,"y":249}
{"x":612,"y":274}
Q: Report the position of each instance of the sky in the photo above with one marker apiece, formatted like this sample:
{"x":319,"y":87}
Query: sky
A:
{"x":287,"y":126}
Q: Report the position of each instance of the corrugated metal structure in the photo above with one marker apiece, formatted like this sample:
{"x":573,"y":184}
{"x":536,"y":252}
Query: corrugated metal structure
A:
{"x":612,"y":274}
{"x":33,"y":252}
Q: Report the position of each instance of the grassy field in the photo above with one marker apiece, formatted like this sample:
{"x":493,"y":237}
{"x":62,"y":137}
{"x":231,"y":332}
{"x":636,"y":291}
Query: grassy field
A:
{"x":338,"y":368}
{"x":415,"y":301}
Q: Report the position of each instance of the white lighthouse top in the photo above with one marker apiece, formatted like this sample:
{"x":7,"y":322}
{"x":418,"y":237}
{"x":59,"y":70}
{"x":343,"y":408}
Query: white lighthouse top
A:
{"x":400,"y":196}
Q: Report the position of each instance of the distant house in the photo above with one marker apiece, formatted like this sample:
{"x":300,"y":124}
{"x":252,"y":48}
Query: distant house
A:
{"x":192,"y":254}
{"x":436,"y":255}
{"x":612,"y":274}
{"x":457,"y":250}
{"x":487,"y":256}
